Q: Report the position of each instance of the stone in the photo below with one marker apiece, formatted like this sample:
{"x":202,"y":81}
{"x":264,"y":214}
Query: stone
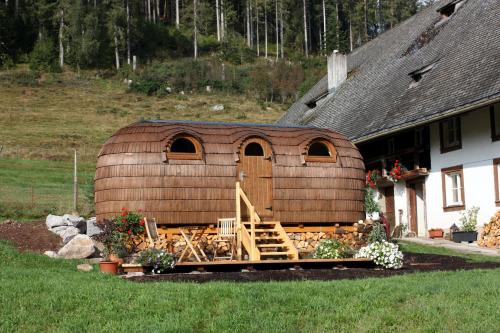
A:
{"x":217,"y":107}
{"x":80,"y":247}
{"x":54,"y":221}
{"x":72,"y":220}
{"x":51,"y":254}
{"x":92,"y":227}
{"x":59,"y":230}
{"x":85,"y":267}
{"x":68,"y":234}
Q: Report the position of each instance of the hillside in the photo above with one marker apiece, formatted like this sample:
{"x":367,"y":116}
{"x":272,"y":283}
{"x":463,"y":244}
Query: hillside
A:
{"x":46,"y":118}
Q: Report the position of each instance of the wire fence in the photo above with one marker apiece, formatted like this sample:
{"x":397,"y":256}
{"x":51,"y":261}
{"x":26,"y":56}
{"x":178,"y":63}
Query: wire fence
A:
{"x":86,"y":153}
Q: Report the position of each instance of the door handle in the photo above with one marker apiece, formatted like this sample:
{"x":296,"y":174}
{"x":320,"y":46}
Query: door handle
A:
{"x":269,"y":208}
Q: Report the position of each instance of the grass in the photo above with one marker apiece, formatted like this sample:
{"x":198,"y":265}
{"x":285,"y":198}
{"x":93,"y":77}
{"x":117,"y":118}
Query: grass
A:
{"x":34,"y":188}
{"x":49,"y":117}
{"x":39,"y":294}
{"x":417,"y":248}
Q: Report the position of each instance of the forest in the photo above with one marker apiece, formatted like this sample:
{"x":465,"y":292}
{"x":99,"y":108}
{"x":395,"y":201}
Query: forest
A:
{"x":196,"y":43}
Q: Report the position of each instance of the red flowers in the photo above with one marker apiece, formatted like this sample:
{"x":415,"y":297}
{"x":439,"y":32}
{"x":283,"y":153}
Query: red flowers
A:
{"x":129,"y":223}
{"x":395,"y":174}
{"x":141,"y":222}
{"x":129,"y":232}
{"x":371,"y":178}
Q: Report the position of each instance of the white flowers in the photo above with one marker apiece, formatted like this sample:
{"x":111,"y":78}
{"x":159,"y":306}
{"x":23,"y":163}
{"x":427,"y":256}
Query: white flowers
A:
{"x":382,"y":253}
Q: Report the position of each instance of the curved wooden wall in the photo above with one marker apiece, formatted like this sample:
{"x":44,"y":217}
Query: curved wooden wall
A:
{"x":133,"y":172}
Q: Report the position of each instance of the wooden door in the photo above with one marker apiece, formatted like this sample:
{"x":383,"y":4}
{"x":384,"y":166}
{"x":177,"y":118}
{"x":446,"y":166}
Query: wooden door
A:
{"x":255,"y":173}
{"x":412,"y":208}
{"x":390,"y":210}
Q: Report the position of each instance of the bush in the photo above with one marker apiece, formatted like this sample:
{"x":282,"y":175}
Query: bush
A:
{"x":371,"y":206}
{"x":383,"y":253}
{"x":377,"y":234}
{"x":159,"y":260}
{"x":42,"y":57}
{"x":331,"y":249}
{"x":468,"y":219}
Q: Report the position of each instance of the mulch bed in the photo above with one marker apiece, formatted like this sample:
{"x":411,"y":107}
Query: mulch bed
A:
{"x":413,"y":262}
{"x":30,"y":236}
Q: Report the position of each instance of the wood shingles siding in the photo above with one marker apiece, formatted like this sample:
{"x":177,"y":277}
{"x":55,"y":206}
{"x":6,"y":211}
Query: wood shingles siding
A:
{"x":133,"y":171}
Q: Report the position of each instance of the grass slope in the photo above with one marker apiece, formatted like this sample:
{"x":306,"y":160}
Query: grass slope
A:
{"x":39,"y":294}
{"x":34,"y":188}
{"x":48,"y":118}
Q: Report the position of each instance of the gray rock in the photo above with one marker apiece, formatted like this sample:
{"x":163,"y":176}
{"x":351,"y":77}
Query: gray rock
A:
{"x":217,"y":107}
{"x":51,"y":254}
{"x":85,"y":267}
{"x":69,"y":233}
{"x":133,"y":274}
{"x":80,"y":247}
{"x":92,"y":227}
{"x":59,"y":230}
{"x":72,"y":219}
{"x":54,"y":221}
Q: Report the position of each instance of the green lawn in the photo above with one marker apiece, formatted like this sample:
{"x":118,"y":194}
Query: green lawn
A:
{"x":417,"y":248}
{"x":39,"y":294}
{"x":33,"y":189}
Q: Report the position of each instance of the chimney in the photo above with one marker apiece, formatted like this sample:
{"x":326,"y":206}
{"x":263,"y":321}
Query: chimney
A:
{"x":337,"y":70}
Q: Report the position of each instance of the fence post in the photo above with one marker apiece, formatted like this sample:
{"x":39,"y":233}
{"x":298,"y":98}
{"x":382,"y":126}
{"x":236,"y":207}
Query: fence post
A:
{"x":75,"y":183}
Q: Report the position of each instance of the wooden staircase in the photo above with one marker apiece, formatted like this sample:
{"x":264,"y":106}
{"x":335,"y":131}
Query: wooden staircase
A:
{"x":261,"y":240}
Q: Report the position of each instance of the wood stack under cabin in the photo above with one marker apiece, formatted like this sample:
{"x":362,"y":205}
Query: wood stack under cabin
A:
{"x":490,"y":237}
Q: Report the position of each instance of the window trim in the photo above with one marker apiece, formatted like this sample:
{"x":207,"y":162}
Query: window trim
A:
{"x":441,"y":136}
{"x":496,"y":181}
{"x":321,"y":159}
{"x":185,"y":156}
{"x":494,"y":136}
{"x":444,"y":173}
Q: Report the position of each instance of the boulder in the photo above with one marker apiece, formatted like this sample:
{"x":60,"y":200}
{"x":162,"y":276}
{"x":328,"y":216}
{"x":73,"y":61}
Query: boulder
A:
{"x":68,"y":234}
{"x":217,"y":107}
{"x":54,"y":221}
{"x":80,"y":247}
{"x":59,"y":230}
{"x":92,"y":227}
{"x":75,"y":221}
{"x":51,"y":254}
{"x":85,"y":267}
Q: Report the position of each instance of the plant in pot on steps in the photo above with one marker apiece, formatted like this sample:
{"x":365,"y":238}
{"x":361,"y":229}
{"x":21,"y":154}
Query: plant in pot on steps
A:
{"x":468,"y":222}
{"x":111,"y":239}
{"x":372,"y":207}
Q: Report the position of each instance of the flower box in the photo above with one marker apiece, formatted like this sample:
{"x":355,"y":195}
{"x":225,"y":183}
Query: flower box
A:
{"x":464,"y":236}
{"x":436,"y":233}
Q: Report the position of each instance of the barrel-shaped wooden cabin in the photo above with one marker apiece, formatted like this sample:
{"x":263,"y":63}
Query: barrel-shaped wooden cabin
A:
{"x":184,"y":173}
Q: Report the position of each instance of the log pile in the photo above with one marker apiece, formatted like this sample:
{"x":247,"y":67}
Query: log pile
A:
{"x":490,"y":237}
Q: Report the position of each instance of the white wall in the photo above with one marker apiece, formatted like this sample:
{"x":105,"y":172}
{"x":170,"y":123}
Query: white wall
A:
{"x":476,"y":156}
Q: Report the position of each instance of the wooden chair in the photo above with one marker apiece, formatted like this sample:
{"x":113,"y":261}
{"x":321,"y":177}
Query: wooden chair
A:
{"x":226,"y":232}
{"x":151,"y":231}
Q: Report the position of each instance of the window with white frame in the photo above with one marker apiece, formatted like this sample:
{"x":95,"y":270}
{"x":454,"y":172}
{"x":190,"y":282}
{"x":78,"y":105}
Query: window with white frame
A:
{"x":453,"y":188}
{"x":450,"y":134}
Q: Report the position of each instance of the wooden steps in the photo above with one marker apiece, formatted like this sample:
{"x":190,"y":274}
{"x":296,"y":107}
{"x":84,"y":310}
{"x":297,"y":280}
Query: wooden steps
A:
{"x":274,"y":253}
{"x":271,"y":245}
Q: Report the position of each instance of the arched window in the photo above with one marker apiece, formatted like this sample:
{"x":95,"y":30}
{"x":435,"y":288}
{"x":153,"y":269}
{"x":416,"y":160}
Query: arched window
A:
{"x":184,"y":148}
{"x":321,"y":150}
{"x":254,"y":149}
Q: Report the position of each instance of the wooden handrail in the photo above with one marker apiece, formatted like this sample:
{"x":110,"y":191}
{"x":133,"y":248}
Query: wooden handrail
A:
{"x":254,"y":218}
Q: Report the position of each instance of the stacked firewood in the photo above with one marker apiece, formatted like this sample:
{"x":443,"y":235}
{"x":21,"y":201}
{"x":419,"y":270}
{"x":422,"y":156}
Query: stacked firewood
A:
{"x":490,"y":236}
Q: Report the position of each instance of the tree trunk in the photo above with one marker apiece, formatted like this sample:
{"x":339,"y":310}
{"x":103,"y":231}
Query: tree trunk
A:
{"x":337,"y":25}
{"x":257,"y":28}
{"x":177,"y":14}
{"x":248,"y":22}
{"x":324,"y":28}
{"x":222,"y":21}
{"x":265,"y":27}
{"x":217,"y":14}
{"x":281,"y":30}
{"x":149,"y":10}
{"x":128,"y":31}
{"x":277,"y":31}
{"x":16,"y":8}
{"x":195,"y":31}
{"x":350,"y":34}
{"x":306,"y":48}
{"x":154,"y":12}
{"x":366,"y":19}
{"x":117,"y":53}
{"x":61,"y":36}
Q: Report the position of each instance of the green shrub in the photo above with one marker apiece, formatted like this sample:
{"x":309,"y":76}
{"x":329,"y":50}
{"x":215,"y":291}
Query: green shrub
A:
{"x":331,"y":249}
{"x":371,"y":206}
{"x":468,"y":219}
{"x":43,"y":55}
{"x":159,"y":260}
{"x":377,"y":234}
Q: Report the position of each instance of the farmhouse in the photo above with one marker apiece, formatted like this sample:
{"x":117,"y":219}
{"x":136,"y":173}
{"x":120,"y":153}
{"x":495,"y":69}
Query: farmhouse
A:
{"x":425,"y":94}
{"x":187,"y":174}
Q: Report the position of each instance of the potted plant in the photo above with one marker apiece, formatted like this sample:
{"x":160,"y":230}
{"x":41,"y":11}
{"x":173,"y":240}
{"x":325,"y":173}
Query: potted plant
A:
{"x":436,"y":233}
{"x":109,"y":238}
{"x":372,"y":207}
{"x":467,"y":231}
{"x":157,"y":260}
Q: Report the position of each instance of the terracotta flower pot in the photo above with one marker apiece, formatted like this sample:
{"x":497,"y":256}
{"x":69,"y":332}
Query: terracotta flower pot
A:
{"x":436,"y":233}
{"x":114,"y":257}
{"x":109,"y":267}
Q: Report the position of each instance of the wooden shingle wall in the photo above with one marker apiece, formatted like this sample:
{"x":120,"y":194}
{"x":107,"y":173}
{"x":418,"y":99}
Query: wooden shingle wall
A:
{"x":133,"y":172}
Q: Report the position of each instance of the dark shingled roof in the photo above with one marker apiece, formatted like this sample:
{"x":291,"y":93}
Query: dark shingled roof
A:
{"x":377,"y":99}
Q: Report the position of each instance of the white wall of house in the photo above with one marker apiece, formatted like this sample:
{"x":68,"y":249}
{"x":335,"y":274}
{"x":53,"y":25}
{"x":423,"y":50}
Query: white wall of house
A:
{"x":476,"y":156}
